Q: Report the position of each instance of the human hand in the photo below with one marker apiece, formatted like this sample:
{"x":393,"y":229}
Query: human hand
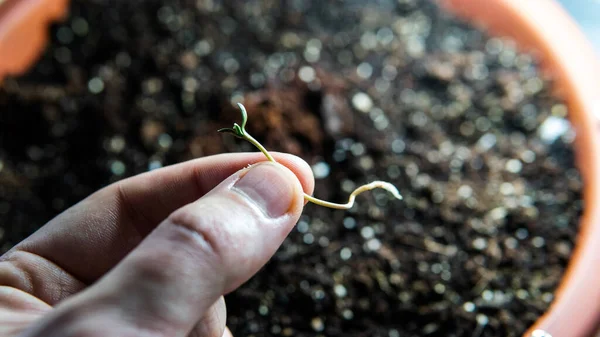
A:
{"x":154,"y":254}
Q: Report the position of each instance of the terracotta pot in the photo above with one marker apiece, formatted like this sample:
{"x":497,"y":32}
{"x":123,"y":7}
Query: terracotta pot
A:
{"x":24,"y":31}
{"x":544,"y":27}
{"x":537,"y":25}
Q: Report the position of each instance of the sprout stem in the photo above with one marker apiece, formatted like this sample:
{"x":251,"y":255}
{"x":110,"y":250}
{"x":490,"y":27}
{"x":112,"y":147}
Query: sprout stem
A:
{"x":240,"y":132}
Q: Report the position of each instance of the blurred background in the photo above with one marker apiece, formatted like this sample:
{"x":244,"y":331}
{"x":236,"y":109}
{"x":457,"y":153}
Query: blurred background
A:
{"x":587,"y":14}
{"x":463,"y":123}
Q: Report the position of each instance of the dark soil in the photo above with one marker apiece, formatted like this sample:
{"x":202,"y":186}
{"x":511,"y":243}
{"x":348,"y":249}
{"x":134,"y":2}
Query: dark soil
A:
{"x":390,"y":90}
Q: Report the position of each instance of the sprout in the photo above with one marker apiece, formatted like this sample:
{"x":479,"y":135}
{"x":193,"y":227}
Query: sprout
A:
{"x":240,"y":132}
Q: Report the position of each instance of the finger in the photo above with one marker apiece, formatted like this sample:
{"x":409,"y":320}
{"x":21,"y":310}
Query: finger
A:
{"x":18,"y":310}
{"x":213,"y":322}
{"x":227,"y":333}
{"x":99,"y":231}
{"x":200,"y":252}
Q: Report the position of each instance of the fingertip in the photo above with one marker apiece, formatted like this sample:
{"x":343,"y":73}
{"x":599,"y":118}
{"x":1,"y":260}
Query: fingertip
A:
{"x":300,"y":168}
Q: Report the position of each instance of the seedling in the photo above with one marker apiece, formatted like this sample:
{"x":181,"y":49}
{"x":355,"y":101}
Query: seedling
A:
{"x":240,"y":132}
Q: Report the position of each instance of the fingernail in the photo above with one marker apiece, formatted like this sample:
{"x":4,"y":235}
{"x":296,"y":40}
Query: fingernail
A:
{"x":270,"y":187}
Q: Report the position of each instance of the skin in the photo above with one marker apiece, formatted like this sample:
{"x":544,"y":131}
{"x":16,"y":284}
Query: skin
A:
{"x":154,"y":254}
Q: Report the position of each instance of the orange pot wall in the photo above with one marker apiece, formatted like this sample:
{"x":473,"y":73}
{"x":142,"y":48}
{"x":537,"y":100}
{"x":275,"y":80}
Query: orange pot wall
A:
{"x":543,"y":27}
{"x":539,"y":25}
{"x":24,"y":32}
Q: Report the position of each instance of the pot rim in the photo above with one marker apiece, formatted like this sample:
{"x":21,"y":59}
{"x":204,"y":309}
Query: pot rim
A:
{"x":24,"y":32}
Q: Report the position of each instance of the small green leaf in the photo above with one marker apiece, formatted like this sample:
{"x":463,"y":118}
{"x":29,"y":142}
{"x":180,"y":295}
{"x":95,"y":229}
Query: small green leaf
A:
{"x":227,"y":130}
{"x":238,"y":131}
{"x":244,"y":115}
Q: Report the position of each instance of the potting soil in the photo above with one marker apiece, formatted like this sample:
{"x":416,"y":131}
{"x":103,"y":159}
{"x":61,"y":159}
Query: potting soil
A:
{"x":464,"y":124}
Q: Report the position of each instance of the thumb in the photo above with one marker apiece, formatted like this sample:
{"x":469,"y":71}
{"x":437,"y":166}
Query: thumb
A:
{"x":200,"y":252}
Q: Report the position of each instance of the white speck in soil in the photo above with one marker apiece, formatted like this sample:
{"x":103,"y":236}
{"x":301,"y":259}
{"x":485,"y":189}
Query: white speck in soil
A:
{"x":117,"y":144}
{"x":117,"y":167}
{"x":364,"y":70}
{"x":487,"y":295}
{"x":498,"y":213}
{"x":469,"y":307}
{"x":528,"y":156}
{"x":347,"y":314}
{"x":165,"y":141}
{"x":345,"y":253}
{"x":348,"y":185}
{"x":323,"y":241}
{"x":559,"y":110}
{"x":349,"y":223}
{"x":522,"y":294}
{"x":494,"y":46}
{"x":538,"y":242}
{"x":368,"y":40}
{"x":320,"y":170}
{"x":479,"y":243}
{"x":307,"y":74}
{"x":308,"y":238}
{"x":340,"y":291}
{"x":357,"y":149}
{"x":96,"y":85}
{"x":263,"y":310}
{"x":486,"y":142}
{"x":552,"y":128}
{"x":507,"y":188}
{"x":154,"y":165}
{"x":482,"y":319}
{"x":366,"y":163}
{"x":317,"y":324}
{"x":372,"y":245}
{"x":362,"y":102}
{"x":465,"y":191}
{"x":367,"y":232}
{"x":522,"y":234}
{"x":318,"y":294}
{"x":312,"y":52}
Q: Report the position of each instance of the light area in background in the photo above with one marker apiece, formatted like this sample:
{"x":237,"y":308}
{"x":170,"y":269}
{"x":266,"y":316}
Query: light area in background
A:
{"x":587,"y":15}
